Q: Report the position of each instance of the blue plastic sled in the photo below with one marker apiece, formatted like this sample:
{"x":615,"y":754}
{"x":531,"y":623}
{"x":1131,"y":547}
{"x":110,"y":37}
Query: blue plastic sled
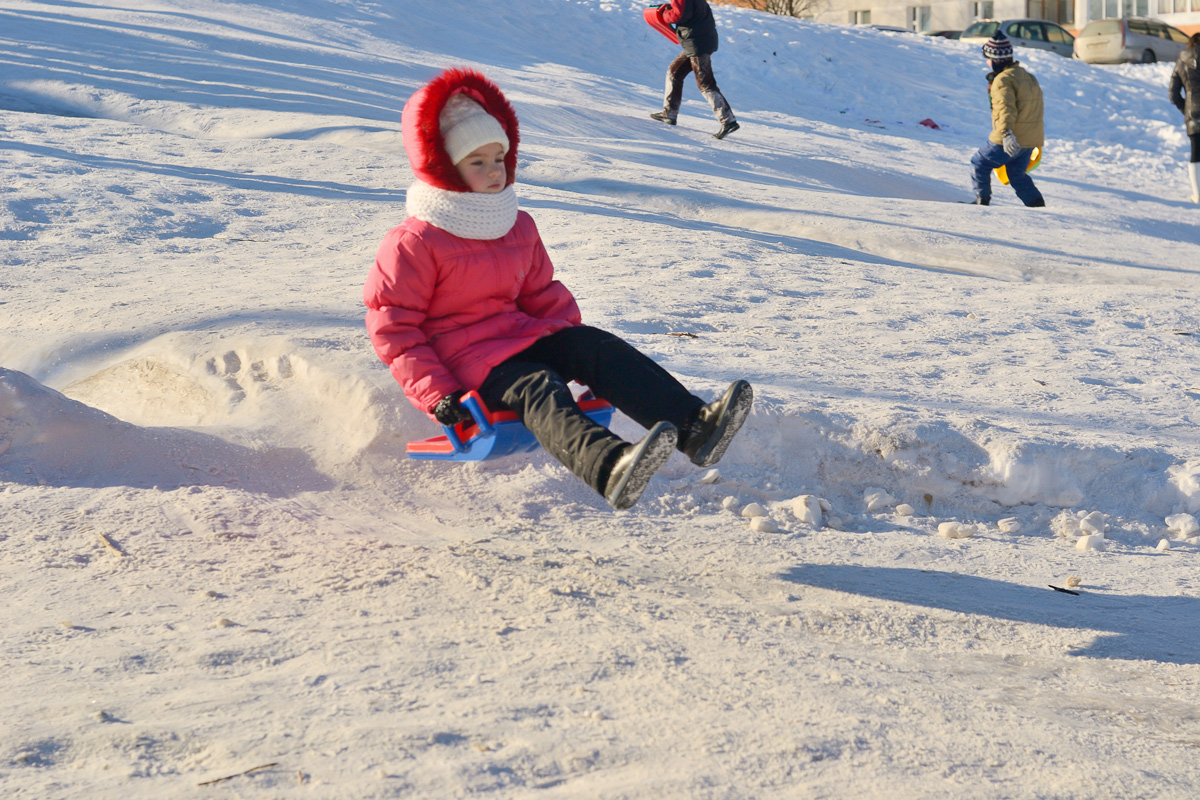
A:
{"x":493,"y":434}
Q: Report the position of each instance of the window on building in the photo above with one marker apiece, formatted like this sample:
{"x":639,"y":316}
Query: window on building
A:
{"x":983,"y":10}
{"x":860,"y":17}
{"x":1060,"y":11}
{"x":1128,"y":8}
{"x":919,"y":17}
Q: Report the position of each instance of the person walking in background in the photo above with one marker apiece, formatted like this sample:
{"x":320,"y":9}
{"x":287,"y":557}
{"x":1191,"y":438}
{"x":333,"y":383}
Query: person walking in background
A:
{"x":697,"y":31}
{"x":1185,"y":80}
{"x":1016,"y":100}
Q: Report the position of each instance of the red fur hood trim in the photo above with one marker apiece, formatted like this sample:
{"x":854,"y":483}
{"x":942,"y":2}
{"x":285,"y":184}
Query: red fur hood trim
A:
{"x":423,"y":140}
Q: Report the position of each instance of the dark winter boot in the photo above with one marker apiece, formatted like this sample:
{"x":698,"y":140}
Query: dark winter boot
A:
{"x":637,"y":465}
{"x":1039,"y":203}
{"x":726,"y":129}
{"x":661,"y":116}
{"x":981,"y":201}
{"x":708,"y":436}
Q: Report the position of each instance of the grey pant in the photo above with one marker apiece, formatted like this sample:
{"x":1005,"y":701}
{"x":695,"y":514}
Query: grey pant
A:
{"x":702,"y":67}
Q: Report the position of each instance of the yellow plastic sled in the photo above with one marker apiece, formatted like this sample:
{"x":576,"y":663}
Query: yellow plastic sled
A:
{"x":1034,"y":160}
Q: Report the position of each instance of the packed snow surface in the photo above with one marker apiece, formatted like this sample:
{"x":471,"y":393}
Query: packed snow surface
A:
{"x":224,"y":578}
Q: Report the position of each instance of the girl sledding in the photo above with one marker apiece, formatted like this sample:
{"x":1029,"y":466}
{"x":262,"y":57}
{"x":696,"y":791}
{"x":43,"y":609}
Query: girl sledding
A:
{"x":462,"y":297}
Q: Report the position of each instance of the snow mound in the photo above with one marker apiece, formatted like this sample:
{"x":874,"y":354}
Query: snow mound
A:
{"x":47,"y":438}
{"x":261,"y":412}
{"x":254,"y":391}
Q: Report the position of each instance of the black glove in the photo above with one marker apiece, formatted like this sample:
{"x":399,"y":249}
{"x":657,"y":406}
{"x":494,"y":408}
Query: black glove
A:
{"x":449,"y":411}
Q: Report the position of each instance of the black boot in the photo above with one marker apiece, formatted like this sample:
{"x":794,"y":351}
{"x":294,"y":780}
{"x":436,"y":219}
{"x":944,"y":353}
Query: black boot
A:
{"x":981,"y":201}
{"x":726,"y":129}
{"x":637,"y":465}
{"x":708,"y":436}
{"x":1039,"y":203}
{"x":661,"y":116}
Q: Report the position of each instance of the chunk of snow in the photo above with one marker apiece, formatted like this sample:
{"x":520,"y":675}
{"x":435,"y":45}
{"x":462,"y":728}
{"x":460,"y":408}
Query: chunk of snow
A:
{"x":1163,"y":545}
{"x":712,"y":476}
{"x":1092,"y":541}
{"x":1187,"y":479}
{"x":764,"y":525}
{"x":754,"y":510}
{"x":808,"y":510}
{"x":1183,"y":525}
{"x":905,"y":510}
{"x":1073,"y":582}
{"x":1071,"y":525}
{"x":878,"y":500}
{"x":1093,"y":523}
{"x":956,"y":530}
{"x":730,"y":503}
{"x":1009,"y":525}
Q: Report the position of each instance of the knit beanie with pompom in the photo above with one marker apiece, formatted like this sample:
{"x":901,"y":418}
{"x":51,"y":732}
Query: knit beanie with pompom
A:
{"x":466,"y":127}
{"x":998,"y":48}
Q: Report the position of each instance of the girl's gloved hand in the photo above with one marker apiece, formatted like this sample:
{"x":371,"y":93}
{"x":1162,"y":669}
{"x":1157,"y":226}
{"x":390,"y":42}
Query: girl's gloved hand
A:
{"x":449,"y":411}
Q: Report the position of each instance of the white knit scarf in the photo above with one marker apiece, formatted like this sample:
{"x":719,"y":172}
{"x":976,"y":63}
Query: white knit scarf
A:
{"x":469,"y":215}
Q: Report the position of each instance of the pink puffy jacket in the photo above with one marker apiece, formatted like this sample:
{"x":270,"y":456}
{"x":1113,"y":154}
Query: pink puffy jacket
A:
{"x":443,"y":310}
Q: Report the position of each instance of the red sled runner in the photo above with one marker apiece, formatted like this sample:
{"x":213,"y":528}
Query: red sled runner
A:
{"x":653,"y":17}
{"x":492,"y":434}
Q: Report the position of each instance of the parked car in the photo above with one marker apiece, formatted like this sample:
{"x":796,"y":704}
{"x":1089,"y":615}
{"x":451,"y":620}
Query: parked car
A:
{"x":1040,"y":33}
{"x":889,"y":28}
{"x":1112,"y":41}
{"x":943,"y":34}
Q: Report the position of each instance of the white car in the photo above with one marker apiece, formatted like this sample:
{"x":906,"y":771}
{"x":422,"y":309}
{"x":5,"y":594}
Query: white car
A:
{"x":1040,"y":33}
{"x":1112,"y":41}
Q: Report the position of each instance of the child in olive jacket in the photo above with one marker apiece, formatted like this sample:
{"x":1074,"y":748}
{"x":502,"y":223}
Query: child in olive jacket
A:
{"x":1016,"y":100}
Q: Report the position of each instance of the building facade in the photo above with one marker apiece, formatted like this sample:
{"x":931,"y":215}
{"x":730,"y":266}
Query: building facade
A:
{"x":934,"y":15}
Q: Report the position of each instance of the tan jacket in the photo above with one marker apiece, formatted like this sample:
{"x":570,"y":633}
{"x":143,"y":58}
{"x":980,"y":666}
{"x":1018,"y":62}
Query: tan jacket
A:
{"x":1017,"y":107}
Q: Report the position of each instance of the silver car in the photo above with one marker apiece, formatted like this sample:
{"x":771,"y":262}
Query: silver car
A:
{"x":1112,"y":41}
{"x":1040,"y":33}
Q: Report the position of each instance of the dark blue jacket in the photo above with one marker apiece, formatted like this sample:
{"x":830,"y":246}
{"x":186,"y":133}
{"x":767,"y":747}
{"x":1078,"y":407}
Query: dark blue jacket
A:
{"x":1186,"y":80}
{"x":694,"y":24}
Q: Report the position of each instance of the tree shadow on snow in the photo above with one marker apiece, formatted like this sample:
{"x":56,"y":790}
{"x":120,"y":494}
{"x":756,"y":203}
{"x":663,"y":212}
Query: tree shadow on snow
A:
{"x":1139,"y":627}
{"x":165,"y":51}
{"x":687,"y":202}
{"x":234,"y":180}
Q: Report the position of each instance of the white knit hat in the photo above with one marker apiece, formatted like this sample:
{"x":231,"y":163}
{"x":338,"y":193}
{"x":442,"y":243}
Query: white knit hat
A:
{"x":466,"y":126}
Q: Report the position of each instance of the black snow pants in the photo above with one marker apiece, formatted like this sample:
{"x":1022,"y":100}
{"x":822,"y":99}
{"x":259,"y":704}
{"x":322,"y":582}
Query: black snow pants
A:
{"x":533,"y":384}
{"x":702,"y":67}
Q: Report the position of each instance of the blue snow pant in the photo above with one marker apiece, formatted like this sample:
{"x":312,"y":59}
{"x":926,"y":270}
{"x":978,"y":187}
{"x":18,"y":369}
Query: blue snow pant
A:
{"x":533,"y":385}
{"x":991,"y":156}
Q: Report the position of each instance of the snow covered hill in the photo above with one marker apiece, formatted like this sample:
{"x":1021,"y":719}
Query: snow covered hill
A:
{"x":219,"y":558}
